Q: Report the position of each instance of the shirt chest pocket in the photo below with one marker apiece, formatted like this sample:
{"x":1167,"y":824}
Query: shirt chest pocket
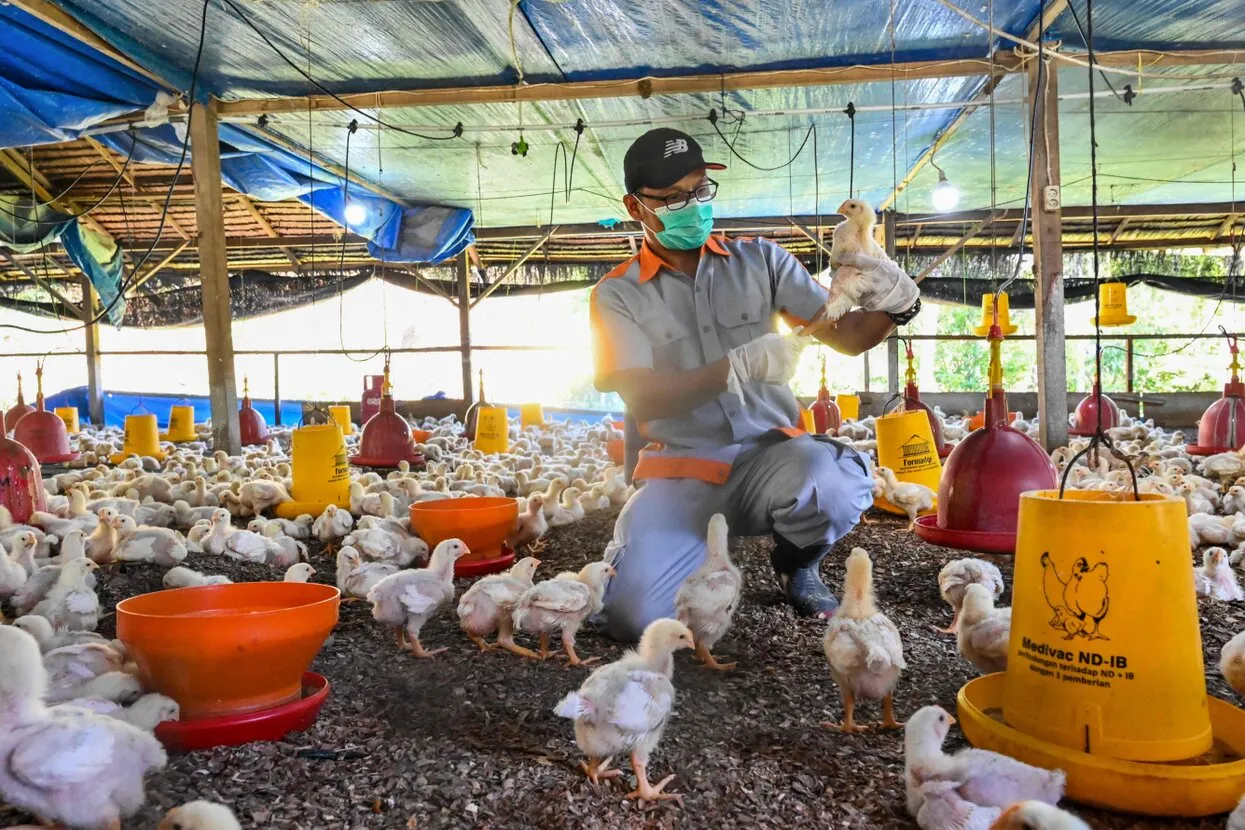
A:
{"x":741,"y":318}
{"x":671,"y":340}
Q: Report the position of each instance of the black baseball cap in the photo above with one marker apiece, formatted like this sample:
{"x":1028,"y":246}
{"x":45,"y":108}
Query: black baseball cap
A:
{"x":661,"y":157}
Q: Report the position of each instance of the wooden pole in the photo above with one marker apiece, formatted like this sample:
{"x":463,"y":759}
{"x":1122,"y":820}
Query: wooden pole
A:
{"x":276,"y":388}
{"x":464,"y":324}
{"x":94,"y":388}
{"x":892,"y":342}
{"x":214,"y":278}
{"x":1048,"y":264}
{"x":1128,"y":365}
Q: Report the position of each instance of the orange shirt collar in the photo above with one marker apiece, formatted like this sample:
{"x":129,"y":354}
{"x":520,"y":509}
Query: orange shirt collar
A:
{"x":651,"y":262}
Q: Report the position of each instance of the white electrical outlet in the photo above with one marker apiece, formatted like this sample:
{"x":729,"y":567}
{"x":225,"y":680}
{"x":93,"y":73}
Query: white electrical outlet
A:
{"x":1050,"y":198}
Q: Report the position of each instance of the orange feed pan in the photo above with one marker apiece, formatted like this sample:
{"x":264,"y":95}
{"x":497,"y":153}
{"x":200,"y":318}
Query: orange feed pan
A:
{"x":227,"y":649}
{"x":421,"y":436}
{"x":481,"y":522}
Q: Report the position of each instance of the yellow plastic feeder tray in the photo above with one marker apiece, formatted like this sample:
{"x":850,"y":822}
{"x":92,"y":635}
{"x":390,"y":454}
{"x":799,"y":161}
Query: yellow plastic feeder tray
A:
{"x":849,"y":406}
{"x":987,"y":314}
{"x":142,"y":437}
{"x":906,"y":446}
{"x":341,"y":416}
{"x":492,"y":430}
{"x":1105,"y":677}
{"x":321,"y":471}
{"x":181,"y":425}
{"x":1113,"y":304}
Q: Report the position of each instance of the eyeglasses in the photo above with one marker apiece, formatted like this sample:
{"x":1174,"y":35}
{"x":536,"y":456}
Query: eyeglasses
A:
{"x":677,"y":201}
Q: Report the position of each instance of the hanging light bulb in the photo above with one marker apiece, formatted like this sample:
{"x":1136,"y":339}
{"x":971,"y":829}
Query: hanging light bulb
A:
{"x":356,"y":214}
{"x":946,"y":195}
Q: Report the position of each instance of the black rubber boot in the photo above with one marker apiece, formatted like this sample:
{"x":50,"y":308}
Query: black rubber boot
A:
{"x":799,"y":572}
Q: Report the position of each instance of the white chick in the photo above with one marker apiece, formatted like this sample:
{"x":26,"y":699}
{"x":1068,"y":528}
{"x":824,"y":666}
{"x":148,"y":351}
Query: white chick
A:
{"x":408,"y":599}
{"x":707,"y":599}
{"x":356,"y":578}
{"x":624,"y":708}
{"x":12,"y":576}
{"x":1205,"y":529}
{"x":956,"y":576}
{"x":50,"y":639}
{"x":183,"y":577}
{"x":298,"y":528}
{"x":488,"y":606}
{"x":148,"y":712}
{"x":333,"y":524}
{"x":854,"y":235}
{"x":863,"y":647}
{"x":386,"y":543}
{"x":943,"y":808}
{"x":562,"y":604}
{"x":1231,"y":663}
{"x":299,"y":572}
{"x":1038,"y":815}
{"x":985,"y":778}
{"x":245,"y":546}
{"x":218,"y":535}
{"x":65,"y":764}
{"x":153,"y":545}
{"x":200,"y":815}
{"x":260,"y":495}
{"x":284,"y":551}
{"x":1236,"y":821}
{"x":984,"y":630}
{"x":530,"y":526}
{"x":568,"y":509}
{"x":71,"y":603}
{"x":69,"y":668}
{"x":908,"y":496}
{"x":1215,"y":579}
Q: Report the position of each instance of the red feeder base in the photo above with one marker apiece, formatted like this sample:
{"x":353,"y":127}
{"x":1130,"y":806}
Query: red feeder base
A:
{"x":386,"y":440}
{"x":45,"y":435}
{"x":21,"y":481}
{"x":251,"y":424}
{"x":483,"y":567}
{"x":15,"y":414}
{"x":1087,"y":414}
{"x":981,"y":541}
{"x":1222,"y":426}
{"x":234,"y":730}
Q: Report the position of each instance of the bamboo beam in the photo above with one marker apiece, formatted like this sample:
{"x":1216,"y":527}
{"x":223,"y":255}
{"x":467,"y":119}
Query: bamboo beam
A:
{"x":94,"y":369}
{"x":464,"y":323}
{"x":514,"y":266}
{"x":121,"y":170}
{"x":251,"y":208}
{"x":1226,"y":227}
{"x":155,"y":269}
{"x":949,"y":252}
{"x":31,"y":178}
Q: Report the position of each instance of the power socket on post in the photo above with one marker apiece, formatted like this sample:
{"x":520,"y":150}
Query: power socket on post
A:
{"x":1050,"y":198}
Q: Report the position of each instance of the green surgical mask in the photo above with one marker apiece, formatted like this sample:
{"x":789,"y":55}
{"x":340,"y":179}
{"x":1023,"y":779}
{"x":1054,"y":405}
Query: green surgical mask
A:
{"x":686,"y":228}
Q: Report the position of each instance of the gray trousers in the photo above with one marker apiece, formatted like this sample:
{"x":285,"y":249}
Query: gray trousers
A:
{"x":808,"y":490}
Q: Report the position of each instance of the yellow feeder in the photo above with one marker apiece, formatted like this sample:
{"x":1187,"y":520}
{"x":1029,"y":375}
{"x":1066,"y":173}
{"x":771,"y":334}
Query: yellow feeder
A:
{"x":906,"y":445}
{"x":321,"y":471}
{"x":987,"y":315}
{"x":807,"y":422}
{"x":69,"y":414}
{"x":1105,"y":674}
{"x":341,"y":416}
{"x":492,"y":429}
{"x":531,"y":415}
{"x":849,"y":406}
{"x":1113,"y":305}
{"x":181,"y":425}
{"x":142,"y":437}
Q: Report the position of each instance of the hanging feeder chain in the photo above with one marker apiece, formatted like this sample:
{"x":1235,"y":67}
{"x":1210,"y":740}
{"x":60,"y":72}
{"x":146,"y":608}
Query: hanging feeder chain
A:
{"x":850,"y":112}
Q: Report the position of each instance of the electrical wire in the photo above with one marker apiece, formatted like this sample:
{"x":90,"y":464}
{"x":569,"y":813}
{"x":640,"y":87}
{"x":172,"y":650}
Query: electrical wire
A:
{"x":1089,"y":50}
{"x":713,"y":119}
{"x":35,"y":204}
{"x":457,"y":130}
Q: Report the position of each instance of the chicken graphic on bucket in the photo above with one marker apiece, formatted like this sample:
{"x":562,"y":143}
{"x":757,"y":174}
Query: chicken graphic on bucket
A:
{"x":1080,"y":602}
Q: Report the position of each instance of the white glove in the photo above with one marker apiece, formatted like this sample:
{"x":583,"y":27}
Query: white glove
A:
{"x":771,"y":358}
{"x":890,"y":289}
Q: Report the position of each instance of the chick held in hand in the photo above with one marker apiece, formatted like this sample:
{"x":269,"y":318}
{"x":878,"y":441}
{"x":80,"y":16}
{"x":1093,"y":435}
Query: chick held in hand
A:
{"x":954,"y":579}
{"x":985,"y":778}
{"x":488,"y":606}
{"x":984,"y":630}
{"x":406,"y":600}
{"x":562,"y":604}
{"x":707,"y":599}
{"x":624,"y":707}
{"x":863,"y":647}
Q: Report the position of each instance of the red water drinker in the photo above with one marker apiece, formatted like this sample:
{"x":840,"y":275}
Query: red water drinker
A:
{"x":251,"y":423}
{"x":43,"y":432}
{"x":1222,"y":426}
{"x":826,"y":417}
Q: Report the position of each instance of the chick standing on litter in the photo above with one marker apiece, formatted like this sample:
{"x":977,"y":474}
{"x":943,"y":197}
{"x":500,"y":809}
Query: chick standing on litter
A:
{"x":562,"y":604}
{"x":624,"y":707}
{"x":956,"y":576}
{"x":863,"y":647}
{"x":530,"y":526}
{"x":488,"y":606}
{"x":299,"y":572}
{"x":985,"y":778}
{"x":984,"y":630}
{"x":356,"y":578}
{"x":910,"y":497}
{"x":333,"y":524}
{"x":65,"y":764}
{"x":707,"y":600}
{"x":1215,"y":579}
{"x":408,"y":599}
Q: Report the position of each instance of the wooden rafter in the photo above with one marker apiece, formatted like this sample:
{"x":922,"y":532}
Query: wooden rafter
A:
{"x":251,"y":208}
{"x":155,"y":269}
{"x":30,"y":177}
{"x":120,"y":169}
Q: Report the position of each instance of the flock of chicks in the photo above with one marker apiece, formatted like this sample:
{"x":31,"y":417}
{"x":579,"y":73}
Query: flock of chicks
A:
{"x":77,"y":726}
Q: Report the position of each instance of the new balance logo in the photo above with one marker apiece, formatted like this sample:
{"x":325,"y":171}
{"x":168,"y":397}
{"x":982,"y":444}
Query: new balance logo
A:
{"x":675,"y":146}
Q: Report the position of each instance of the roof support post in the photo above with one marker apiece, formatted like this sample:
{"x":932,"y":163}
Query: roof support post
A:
{"x":1052,"y":372}
{"x":464,"y":323}
{"x":94,"y":374}
{"x":214,"y":270}
{"x":892,"y":342}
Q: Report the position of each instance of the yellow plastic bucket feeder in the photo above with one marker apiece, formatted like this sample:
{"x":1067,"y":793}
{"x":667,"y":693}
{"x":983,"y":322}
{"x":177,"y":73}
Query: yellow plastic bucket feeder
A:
{"x":321,"y":471}
{"x":1113,"y":305}
{"x":492,"y":430}
{"x":1105,"y":676}
{"x":849,"y":407}
{"x":69,"y":414}
{"x":987,"y":315}
{"x":806,"y":421}
{"x":340,"y":414}
{"x":531,"y":415}
{"x":906,"y":446}
{"x":142,"y":437}
{"x":181,"y":425}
